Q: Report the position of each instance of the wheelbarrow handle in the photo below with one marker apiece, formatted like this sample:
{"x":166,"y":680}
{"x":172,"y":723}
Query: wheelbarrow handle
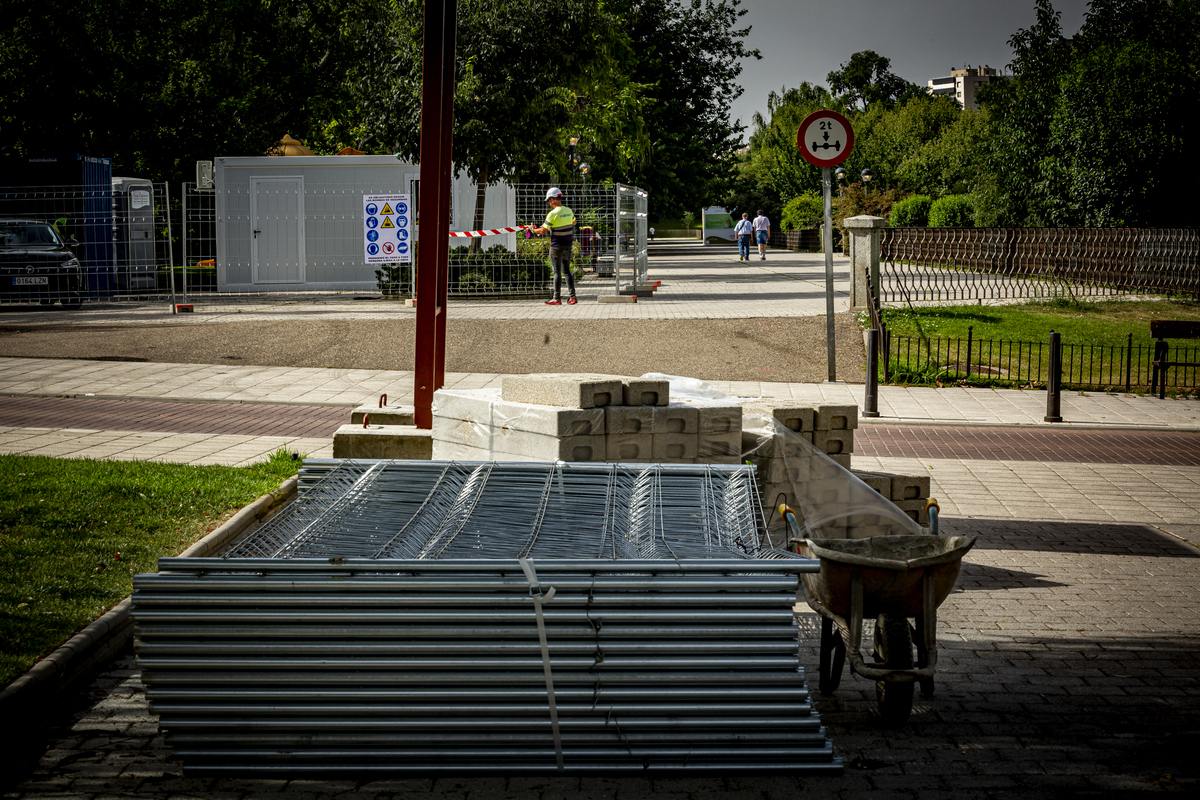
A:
{"x":794,"y":532}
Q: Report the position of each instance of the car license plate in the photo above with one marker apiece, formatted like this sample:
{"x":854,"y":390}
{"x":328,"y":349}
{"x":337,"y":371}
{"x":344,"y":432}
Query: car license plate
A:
{"x":36,"y":280}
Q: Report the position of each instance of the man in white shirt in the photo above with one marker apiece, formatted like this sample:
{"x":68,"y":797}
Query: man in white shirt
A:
{"x":744,"y":231}
{"x":762,"y":232}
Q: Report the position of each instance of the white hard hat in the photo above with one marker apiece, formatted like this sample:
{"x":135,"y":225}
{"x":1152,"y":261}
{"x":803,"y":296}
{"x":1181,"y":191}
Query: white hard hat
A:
{"x":553,"y":191}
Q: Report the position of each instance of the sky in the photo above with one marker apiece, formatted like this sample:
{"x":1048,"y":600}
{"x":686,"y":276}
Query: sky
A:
{"x":803,"y":40}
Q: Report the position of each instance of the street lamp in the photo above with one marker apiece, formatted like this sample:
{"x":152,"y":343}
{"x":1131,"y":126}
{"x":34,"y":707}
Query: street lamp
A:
{"x":584,"y":169}
{"x":866,"y":178}
{"x":839,"y":175}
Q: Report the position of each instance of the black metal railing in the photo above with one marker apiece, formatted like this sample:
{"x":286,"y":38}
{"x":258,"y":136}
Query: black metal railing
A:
{"x":1101,"y":367}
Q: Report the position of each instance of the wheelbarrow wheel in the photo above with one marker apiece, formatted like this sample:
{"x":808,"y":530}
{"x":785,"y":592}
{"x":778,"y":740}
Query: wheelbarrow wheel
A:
{"x":893,"y":649}
{"x":833,"y":657}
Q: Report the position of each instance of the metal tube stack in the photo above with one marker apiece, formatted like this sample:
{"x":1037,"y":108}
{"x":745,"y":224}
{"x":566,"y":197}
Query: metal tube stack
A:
{"x":468,"y":640}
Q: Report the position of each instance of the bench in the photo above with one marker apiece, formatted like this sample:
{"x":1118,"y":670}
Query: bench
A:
{"x":1161,"y":330}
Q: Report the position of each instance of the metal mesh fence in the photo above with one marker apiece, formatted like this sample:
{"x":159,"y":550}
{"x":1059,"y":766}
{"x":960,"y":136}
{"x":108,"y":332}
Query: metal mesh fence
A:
{"x":610,"y":242}
{"x":121,"y":236}
{"x":956,"y":264}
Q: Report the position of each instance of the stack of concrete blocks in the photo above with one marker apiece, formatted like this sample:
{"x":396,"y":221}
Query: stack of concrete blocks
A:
{"x":389,"y":432}
{"x":561,"y":417}
{"x":909,"y":493}
{"x":781,"y":462}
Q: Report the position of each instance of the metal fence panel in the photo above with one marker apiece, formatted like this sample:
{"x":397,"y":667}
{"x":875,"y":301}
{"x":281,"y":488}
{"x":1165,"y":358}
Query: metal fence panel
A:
{"x":964,"y":264}
{"x":124,"y":236}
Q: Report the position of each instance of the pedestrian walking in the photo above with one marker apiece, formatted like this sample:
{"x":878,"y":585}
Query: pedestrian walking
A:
{"x":762,"y":232}
{"x":560,"y":224}
{"x":744,"y":231}
{"x":652,"y":233}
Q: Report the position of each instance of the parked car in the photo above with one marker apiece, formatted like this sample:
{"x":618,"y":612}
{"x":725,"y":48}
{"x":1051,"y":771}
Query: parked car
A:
{"x":36,"y":264}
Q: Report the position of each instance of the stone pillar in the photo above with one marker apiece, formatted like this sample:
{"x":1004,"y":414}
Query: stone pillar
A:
{"x":864,"y":256}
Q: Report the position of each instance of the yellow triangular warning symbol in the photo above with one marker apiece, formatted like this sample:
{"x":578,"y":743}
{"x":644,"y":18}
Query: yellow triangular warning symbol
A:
{"x":387,"y":209}
{"x":387,"y":223}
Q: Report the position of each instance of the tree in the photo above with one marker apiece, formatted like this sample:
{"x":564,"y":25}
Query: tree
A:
{"x":157,"y":86}
{"x":688,"y":56}
{"x":1089,"y":131}
{"x":866,"y":80}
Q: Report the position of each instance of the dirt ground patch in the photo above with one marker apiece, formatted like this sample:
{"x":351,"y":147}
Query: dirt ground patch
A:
{"x":782,"y":349}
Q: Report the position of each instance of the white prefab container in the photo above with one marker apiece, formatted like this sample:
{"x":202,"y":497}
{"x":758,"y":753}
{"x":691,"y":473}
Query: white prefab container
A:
{"x":295,"y":223}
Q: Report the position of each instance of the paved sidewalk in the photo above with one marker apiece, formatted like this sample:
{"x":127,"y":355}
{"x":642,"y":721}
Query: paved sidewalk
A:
{"x":349,"y":388}
{"x":698,"y":282}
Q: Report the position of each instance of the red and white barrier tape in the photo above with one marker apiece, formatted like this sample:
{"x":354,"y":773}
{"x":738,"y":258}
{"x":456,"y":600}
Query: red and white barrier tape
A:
{"x":492,"y":232}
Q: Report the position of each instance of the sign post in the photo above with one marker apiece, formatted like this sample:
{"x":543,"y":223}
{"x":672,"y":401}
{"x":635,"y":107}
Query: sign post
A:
{"x":825,"y":139}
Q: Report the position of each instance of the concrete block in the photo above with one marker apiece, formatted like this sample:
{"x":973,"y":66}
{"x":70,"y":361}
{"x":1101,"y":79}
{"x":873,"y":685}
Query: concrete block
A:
{"x":563,"y":390}
{"x":547,"y":420}
{"x":879,"y":481}
{"x":388,"y":415}
{"x":629,"y":447}
{"x":628,"y":420}
{"x":832,"y":491}
{"x":718,"y":419}
{"x":725,"y":446}
{"x":616,"y":298}
{"x":842,"y":459}
{"x":915,"y":509}
{"x":834,"y":442}
{"x":383,"y":441}
{"x":674,"y":446}
{"x":836,"y":418}
{"x":675,"y":419}
{"x":639,"y":392}
{"x":794,"y":416}
{"x":909,"y":487}
{"x":538,"y":447}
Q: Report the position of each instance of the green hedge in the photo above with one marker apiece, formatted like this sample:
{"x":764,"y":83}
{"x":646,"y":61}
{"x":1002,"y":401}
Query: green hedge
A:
{"x":911,"y":212}
{"x":953,"y":211}
{"x":803,"y":212}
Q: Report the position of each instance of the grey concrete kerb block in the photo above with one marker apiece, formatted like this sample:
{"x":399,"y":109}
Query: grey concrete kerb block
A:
{"x":104,"y":638}
{"x":383,"y":441}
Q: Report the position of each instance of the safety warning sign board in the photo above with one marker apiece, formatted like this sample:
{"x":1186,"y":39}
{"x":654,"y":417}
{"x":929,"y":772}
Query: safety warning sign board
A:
{"x":387,"y":238}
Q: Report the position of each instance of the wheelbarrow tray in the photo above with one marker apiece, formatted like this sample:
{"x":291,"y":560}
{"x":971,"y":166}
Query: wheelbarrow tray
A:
{"x":892,"y":570}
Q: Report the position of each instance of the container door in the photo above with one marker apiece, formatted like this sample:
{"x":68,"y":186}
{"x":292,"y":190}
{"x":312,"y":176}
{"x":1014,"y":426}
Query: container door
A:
{"x":277,"y":233}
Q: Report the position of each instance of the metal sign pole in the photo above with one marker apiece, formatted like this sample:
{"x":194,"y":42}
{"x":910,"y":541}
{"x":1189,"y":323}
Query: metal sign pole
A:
{"x":828,"y":243}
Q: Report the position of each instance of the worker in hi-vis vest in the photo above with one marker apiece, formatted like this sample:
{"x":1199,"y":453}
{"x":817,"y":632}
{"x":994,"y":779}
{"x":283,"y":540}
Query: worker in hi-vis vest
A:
{"x":560,"y":224}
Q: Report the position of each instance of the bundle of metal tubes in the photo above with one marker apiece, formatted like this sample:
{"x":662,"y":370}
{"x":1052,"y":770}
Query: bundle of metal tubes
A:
{"x":406,"y":618}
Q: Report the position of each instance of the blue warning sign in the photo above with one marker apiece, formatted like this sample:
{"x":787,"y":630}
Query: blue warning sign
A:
{"x":383,"y":213}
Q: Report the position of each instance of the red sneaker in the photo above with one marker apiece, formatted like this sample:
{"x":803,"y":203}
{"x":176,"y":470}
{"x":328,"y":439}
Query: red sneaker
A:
{"x":554,"y":302}
{"x":572,"y":301}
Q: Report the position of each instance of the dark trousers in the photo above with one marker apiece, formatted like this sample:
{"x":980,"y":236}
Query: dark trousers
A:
{"x":560,"y":260}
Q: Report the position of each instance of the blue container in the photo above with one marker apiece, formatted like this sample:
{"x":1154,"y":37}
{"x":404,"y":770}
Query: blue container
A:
{"x":75,"y":193}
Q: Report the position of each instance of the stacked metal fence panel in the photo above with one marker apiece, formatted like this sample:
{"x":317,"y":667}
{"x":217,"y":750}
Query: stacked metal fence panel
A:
{"x":392,"y":619}
{"x":435,"y":667}
{"x":955,"y":264}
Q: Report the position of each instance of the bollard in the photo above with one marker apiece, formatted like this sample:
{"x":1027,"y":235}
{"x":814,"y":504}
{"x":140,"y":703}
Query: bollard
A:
{"x":970,"y":341}
{"x":1128,"y":361}
{"x":1054,"y":380}
{"x":871,"y":402}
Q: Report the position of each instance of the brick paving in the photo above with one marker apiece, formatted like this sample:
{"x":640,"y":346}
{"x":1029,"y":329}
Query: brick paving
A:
{"x":248,"y":419}
{"x":1179,"y":448}
{"x":1069,"y":667}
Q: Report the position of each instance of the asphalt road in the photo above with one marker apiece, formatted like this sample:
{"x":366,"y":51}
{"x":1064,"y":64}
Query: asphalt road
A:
{"x":783,"y":349}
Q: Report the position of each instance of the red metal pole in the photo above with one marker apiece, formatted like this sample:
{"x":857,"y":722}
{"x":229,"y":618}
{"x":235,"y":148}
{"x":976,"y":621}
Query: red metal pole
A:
{"x":437,"y":127}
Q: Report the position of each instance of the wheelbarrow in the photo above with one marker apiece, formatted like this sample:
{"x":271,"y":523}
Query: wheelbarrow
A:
{"x":890,"y":578}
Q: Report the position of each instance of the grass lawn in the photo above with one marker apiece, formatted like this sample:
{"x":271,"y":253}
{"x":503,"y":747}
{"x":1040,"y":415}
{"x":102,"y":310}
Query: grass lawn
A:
{"x":1099,"y":322}
{"x":1094,"y":338}
{"x":73,"y":532}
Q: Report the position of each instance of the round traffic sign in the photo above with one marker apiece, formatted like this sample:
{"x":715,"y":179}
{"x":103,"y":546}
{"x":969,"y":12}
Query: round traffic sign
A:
{"x":825,"y":138}
{"x":388,"y":248}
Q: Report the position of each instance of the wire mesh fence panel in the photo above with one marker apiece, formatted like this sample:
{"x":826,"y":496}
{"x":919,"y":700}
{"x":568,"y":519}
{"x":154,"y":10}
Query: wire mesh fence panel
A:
{"x":197,"y":273}
{"x":962,"y":264}
{"x":610,"y":240}
{"x":73,"y":244}
{"x":1126,"y":367}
